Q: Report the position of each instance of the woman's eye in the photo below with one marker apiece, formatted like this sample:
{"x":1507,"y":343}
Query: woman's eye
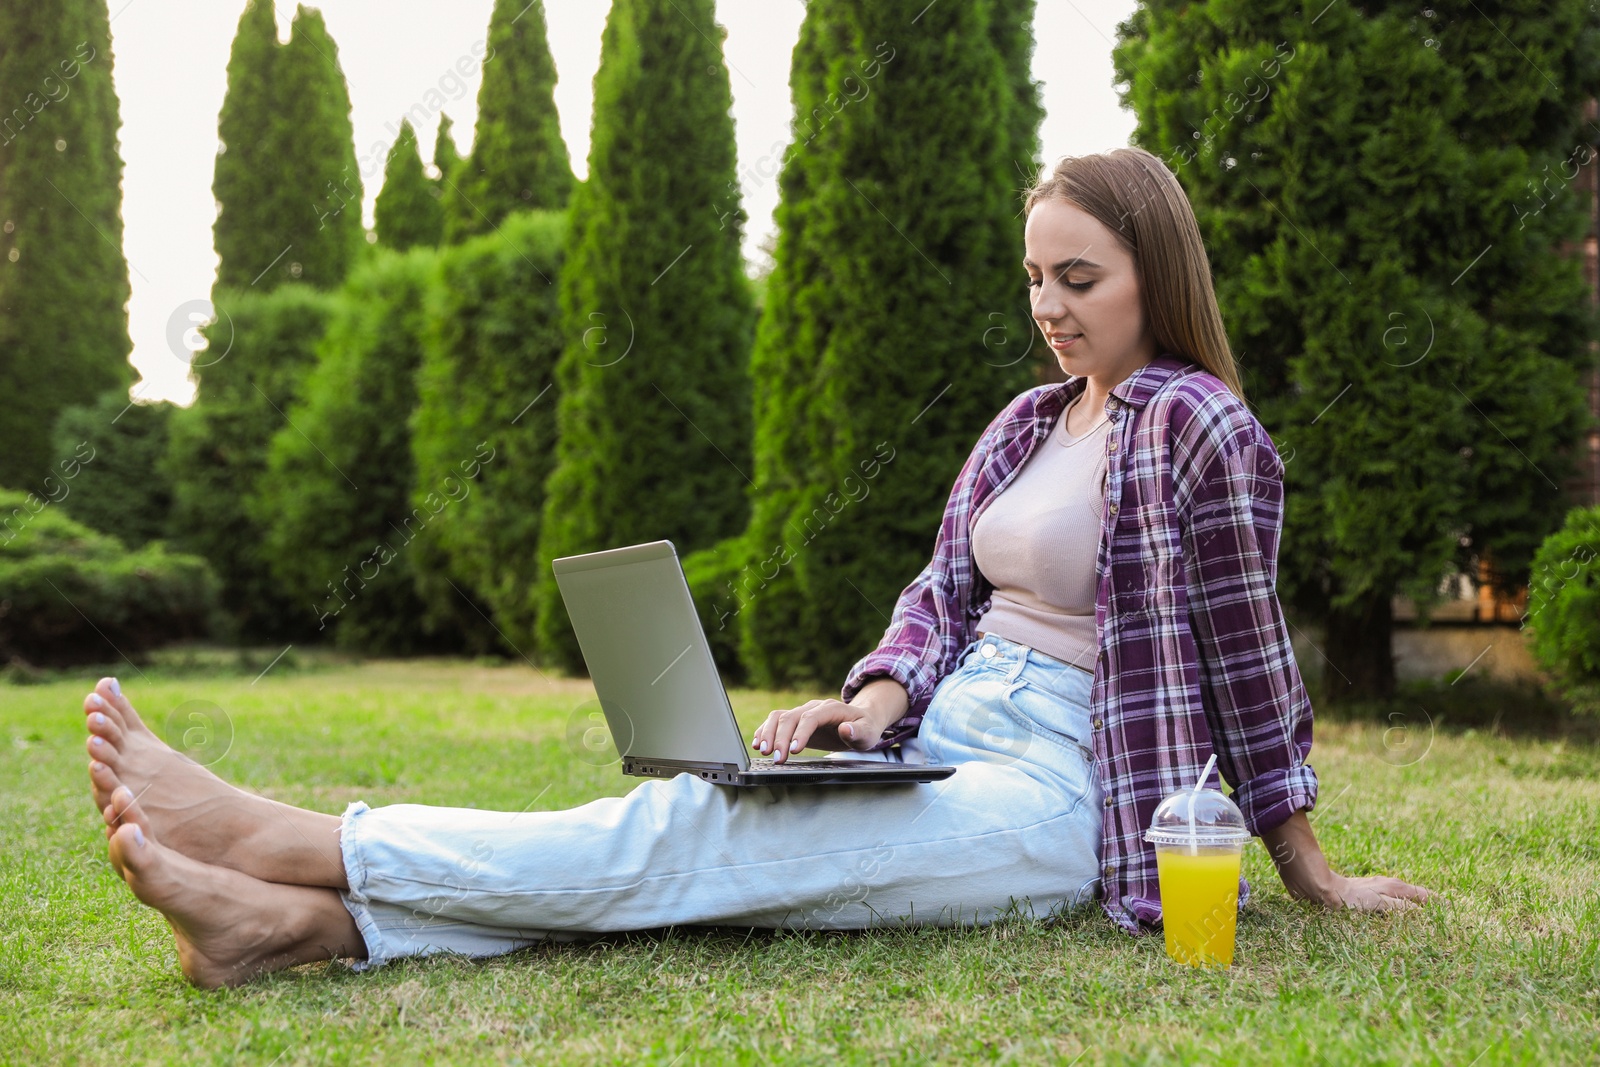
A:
{"x":1034,"y":283}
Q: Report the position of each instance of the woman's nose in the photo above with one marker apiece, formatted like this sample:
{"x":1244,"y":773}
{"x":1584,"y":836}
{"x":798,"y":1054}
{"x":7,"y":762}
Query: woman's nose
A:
{"x":1046,"y":305}
{"x":1047,"y":309}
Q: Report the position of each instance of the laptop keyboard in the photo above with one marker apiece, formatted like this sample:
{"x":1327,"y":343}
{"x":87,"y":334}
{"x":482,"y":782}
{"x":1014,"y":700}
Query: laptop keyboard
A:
{"x":769,"y":765}
{"x":760,"y":764}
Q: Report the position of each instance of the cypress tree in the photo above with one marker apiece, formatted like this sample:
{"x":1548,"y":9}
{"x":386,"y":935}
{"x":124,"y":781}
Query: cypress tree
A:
{"x":248,"y":175}
{"x":63,"y":278}
{"x":1383,"y":205}
{"x":654,"y":410}
{"x":720,"y":576}
{"x":1012,"y":334}
{"x":321,"y":199}
{"x":900,"y":237}
{"x":407,"y":212}
{"x":286,"y":183}
{"x":1012,"y":29}
{"x":447,"y":161}
{"x":519,"y":160}
{"x":446,"y":157}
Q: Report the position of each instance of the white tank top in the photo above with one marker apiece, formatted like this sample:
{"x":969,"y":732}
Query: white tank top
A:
{"x":1037,"y":543}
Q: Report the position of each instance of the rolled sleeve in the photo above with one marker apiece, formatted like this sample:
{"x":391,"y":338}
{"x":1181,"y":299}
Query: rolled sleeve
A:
{"x":1255,"y":701}
{"x":1268,"y":799}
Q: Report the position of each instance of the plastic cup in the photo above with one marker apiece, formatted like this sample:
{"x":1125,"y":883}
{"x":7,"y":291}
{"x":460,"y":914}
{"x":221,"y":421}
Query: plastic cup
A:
{"x":1199,"y":836}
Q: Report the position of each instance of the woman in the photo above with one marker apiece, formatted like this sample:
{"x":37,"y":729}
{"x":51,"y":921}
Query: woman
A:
{"x":1075,"y":687}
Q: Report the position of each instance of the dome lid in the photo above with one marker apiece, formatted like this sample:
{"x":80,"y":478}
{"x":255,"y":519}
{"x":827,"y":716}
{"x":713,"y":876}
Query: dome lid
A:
{"x":1204,"y":816}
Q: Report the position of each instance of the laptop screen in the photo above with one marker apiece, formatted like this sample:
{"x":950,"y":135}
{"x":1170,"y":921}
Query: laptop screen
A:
{"x":648,"y":656}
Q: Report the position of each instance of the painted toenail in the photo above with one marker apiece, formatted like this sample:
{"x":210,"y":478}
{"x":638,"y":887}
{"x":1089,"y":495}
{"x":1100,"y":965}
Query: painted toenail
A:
{"x":138,"y":835}
{"x":98,"y":719}
{"x":97,"y":700}
{"x":97,"y":740}
{"x":96,"y":765}
{"x":115,"y":687}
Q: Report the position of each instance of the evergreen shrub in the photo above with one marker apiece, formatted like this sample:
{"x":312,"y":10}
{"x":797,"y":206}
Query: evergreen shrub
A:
{"x":483,"y":432}
{"x":1564,"y":608}
{"x":71,"y":595}
{"x":334,"y":501}
{"x":260,"y":348}
{"x":120,"y":489}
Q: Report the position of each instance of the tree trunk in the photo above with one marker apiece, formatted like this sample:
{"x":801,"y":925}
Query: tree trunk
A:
{"x":1360,"y":658}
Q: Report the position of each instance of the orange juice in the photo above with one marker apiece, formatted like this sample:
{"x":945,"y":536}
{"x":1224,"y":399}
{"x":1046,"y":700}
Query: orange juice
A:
{"x":1199,"y":900}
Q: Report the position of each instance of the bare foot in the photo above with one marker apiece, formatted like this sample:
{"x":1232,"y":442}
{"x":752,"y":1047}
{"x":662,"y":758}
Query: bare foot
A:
{"x":198,"y":814}
{"x":229,"y":927}
{"x":191,"y":809}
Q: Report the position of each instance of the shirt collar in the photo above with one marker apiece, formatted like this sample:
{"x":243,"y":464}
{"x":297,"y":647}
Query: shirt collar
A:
{"x":1133,"y":391}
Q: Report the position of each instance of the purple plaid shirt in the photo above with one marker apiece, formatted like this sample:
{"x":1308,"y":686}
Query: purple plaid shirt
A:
{"x":1194,"y":650}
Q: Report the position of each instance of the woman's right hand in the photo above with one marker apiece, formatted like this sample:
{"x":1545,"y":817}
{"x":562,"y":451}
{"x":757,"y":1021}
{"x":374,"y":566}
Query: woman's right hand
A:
{"x":832,"y":724}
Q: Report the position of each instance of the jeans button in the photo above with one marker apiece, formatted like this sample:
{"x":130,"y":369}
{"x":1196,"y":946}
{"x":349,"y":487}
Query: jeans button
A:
{"x":987,"y":651}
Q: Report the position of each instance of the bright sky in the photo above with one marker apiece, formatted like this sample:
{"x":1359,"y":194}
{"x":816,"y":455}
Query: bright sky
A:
{"x":171,"y":58}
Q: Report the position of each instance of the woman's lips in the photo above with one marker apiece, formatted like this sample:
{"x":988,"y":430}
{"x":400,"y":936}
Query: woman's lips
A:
{"x":1062,"y":342}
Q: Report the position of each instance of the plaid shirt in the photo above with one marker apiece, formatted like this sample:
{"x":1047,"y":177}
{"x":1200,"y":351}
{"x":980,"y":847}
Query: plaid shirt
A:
{"x":1194,"y":653}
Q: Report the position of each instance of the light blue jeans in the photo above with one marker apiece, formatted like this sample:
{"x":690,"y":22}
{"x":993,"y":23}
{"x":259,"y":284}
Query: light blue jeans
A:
{"x":1015,"y":829}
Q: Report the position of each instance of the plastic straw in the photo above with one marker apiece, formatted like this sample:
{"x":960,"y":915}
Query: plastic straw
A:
{"x":1194,"y":843}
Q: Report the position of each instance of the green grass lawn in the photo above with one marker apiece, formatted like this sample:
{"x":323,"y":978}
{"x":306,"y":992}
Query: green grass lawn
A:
{"x":1503,"y":969}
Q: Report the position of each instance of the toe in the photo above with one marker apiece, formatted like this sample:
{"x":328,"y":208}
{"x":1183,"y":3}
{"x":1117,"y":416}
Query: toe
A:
{"x":110,"y":690}
{"x":103,"y":781}
{"x":97,"y":704}
{"x":129,"y":849}
{"x":124,"y":809}
{"x":105,"y":737}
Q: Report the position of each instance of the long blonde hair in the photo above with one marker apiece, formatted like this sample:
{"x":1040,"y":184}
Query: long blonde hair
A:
{"x":1135,"y":196}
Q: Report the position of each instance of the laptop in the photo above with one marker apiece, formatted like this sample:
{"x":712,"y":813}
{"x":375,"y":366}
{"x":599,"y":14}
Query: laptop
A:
{"x":658,"y":686}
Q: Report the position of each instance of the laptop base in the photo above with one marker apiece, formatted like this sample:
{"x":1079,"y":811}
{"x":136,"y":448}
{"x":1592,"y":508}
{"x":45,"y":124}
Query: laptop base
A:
{"x":792,"y":772}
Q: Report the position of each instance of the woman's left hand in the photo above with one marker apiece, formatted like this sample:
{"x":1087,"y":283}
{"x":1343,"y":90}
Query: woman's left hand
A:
{"x":1307,"y":876}
{"x":1372,"y":893}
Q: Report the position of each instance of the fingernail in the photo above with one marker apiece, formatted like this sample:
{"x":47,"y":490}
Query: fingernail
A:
{"x":97,"y":700}
{"x":98,"y":719}
{"x":138,"y":835}
{"x":794,"y":746}
{"x":116,"y":687}
{"x":763,"y":746}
